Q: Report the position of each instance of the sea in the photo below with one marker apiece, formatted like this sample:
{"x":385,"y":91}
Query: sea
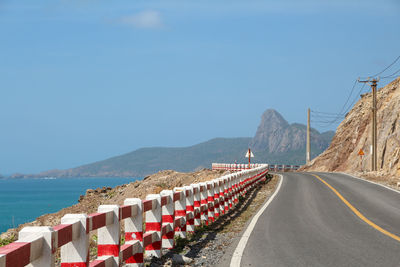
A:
{"x":23,"y":200}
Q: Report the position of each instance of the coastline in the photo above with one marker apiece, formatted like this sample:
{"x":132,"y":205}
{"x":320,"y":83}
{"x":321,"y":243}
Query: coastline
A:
{"x":89,"y":202}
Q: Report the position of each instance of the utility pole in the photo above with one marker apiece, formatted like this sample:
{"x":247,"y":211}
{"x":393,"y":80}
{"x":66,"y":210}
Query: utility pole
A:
{"x":374,"y":158}
{"x":308,"y":152}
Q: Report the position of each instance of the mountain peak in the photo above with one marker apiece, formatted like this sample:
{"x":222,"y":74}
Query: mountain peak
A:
{"x":276,"y":135}
{"x":272,"y":118}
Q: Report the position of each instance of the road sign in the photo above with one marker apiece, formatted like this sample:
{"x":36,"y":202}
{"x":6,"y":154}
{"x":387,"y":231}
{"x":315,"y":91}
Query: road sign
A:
{"x":251,"y":154}
{"x":361,"y":152}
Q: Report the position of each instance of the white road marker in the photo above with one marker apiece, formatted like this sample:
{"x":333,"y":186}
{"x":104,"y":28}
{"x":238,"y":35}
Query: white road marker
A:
{"x":238,"y":253}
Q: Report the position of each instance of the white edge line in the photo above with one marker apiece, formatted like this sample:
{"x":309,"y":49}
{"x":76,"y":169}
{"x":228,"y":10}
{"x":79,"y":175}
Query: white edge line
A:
{"x":238,"y":253}
{"x":365,"y":180}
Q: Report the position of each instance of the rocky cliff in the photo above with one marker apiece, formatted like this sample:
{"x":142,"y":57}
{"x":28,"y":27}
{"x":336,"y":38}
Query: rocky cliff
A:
{"x":276,"y":135}
{"x":354,"y":133}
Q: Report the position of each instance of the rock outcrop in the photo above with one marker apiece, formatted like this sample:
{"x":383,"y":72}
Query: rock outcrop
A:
{"x":354,"y":133}
{"x":276,"y":135}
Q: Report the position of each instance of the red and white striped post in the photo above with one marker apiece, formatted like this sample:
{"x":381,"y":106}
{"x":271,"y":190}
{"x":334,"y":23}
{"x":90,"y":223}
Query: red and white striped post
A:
{"x":230,"y":192}
{"x":226,"y":193}
{"x":240,"y":184}
{"x":203,"y":203}
{"x":109,"y":236}
{"x":221,"y":196}
{"x":76,"y":252}
{"x":180,"y":212}
{"x":216,"y":198}
{"x":134,"y":230}
{"x":189,"y":209}
{"x":168,"y":217}
{"x":245,"y":182}
{"x":197,"y":204}
{"x":153,"y":226}
{"x":235,"y":188}
{"x":210,"y":200}
{"x":40,"y":250}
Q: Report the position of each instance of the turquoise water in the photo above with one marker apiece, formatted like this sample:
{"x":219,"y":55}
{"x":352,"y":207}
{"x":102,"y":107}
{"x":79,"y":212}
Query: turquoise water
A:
{"x":23,"y":200}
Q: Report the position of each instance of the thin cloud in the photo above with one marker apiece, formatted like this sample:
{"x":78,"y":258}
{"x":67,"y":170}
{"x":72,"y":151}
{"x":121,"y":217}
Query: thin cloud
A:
{"x":149,"y":19}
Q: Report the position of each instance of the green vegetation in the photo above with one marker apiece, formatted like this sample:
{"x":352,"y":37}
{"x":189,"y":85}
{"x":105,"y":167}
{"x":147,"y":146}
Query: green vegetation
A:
{"x":7,"y":241}
{"x":146,"y":161}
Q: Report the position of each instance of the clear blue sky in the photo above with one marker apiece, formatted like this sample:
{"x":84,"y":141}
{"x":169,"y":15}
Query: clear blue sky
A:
{"x":83,"y":80}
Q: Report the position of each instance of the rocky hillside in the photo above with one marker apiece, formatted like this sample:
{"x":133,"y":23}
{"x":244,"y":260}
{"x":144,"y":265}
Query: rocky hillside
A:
{"x":276,"y":136}
{"x":354,"y":133}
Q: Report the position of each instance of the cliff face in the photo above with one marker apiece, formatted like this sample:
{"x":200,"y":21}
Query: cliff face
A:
{"x":354,"y":133}
{"x":276,"y":135}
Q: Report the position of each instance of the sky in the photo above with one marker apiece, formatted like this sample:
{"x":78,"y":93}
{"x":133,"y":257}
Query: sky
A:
{"x":84,"y":80}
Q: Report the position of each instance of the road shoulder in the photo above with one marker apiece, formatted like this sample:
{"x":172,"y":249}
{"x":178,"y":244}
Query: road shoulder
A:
{"x":225,"y":261}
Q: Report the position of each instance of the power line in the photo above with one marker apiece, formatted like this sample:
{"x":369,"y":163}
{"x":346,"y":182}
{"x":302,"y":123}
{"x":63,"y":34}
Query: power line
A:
{"x":322,"y":112}
{"x":354,"y":101}
{"x":347,"y":100}
{"x":329,"y":118}
{"x":385,"y":69}
{"x":391,"y":75}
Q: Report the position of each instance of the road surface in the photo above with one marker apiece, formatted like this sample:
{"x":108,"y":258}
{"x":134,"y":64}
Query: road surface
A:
{"x":308,"y":224}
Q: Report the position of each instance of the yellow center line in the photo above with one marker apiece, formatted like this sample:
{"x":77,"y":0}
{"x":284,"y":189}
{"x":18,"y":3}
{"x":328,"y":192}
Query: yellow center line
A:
{"x":356,"y":212}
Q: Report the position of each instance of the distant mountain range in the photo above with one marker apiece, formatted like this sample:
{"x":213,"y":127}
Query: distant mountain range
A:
{"x":276,"y":141}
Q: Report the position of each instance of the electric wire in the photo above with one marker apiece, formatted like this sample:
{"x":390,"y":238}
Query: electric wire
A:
{"x":385,"y":69}
{"x":326,"y":119}
{"x":391,"y":75}
{"x":332,"y":118}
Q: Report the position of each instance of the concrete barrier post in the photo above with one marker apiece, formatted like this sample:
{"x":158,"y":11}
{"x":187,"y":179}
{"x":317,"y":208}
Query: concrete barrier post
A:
{"x":134,"y":230}
{"x":210,"y":200}
{"x":246,"y":183}
{"x":197,"y":204}
{"x":40,"y":253}
{"x":216,"y":198}
{"x":153,"y":225}
{"x":109,"y":236}
{"x":250,"y":184}
{"x":189,"y":209}
{"x":226,"y":193}
{"x":222,"y":195}
{"x":236,"y":189}
{"x":230,"y":191}
{"x":168,"y":217}
{"x":240,"y":185}
{"x":180,"y":212}
{"x":203,"y":203}
{"x":76,"y":252}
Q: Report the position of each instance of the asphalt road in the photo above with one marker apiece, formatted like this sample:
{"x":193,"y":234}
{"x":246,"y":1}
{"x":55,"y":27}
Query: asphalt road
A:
{"x":307,"y":224}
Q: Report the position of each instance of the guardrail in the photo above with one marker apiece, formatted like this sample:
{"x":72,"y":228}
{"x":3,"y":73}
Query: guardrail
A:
{"x":239,"y":167}
{"x":164,"y":216}
{"x":235,"y":166}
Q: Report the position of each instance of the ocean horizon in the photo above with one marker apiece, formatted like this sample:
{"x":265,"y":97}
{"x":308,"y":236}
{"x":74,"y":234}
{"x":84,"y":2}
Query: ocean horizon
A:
{"x":23,"y":200}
